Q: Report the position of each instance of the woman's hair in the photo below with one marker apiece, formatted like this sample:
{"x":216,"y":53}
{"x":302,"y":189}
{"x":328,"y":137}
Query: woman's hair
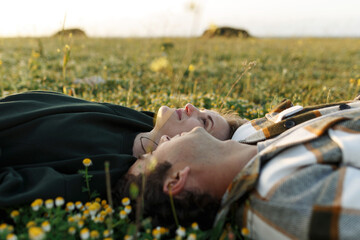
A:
{"x":190,"y":206}
{"x":232,"y":118}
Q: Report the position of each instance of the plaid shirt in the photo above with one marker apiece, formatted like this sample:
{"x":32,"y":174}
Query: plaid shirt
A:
{"x":303,"y":185}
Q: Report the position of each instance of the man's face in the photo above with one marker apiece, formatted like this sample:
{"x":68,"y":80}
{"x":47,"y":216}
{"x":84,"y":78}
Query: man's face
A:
{"x":172,"y":121}
{"x":196,"y":145}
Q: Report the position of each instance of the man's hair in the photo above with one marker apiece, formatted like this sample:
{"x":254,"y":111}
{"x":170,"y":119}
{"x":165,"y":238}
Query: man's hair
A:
{"x":190,"y":206}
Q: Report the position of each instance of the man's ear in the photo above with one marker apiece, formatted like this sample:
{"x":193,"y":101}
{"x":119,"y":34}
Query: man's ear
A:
{"x":176,"y":182}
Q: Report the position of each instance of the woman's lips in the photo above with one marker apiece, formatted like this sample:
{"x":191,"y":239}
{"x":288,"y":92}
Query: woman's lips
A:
{"x":178,"y":111}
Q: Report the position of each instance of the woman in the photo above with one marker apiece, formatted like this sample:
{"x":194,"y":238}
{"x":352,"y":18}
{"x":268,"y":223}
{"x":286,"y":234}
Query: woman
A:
{"x":44,"y":136}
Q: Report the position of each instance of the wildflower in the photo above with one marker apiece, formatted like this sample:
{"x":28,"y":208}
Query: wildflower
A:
{"x":109,"y":210}
{"x":1,"y":62}
{"x":156,"y":233}
{"x":86,"y":213}
{"x":103,"y":213}
{"x":49,"y":203}
{"x":195,"y":226}
{"x":81,"y":223}
{"x":159,"y":64}
{"x":245,"y":231}
{"x":108,"y":239}
{"x":103,"y":202}
{"x":99,"y":219}
{"x":3,"y":226}
{"x":11,"y":236}
{"x":128,"y":237}
{"x":36,"y":233}
{"x":351,"y":81}
{"x":84,"y":233}
{"x":358,"y":82}
{"x":192,"y":236}
{"x":70,"y":206}
{"x":93,"y":208}
{"x":191,"y":68}
{"x":123,"y":214}
{"x":98,"y":199}
{"x":14,"y":213}
{"x":30,"y":224}
{"x":125,"y":201}
{"x":46,"y":226}
{"x":87,"y":205}
{"x":71,"y":219}
{"x":107,"y":233}
{"x":181,"y":232}
{"x":78,"y":205}
{"x":35,"y":205}
{"x":87,"y":162}
{"x":59,"y":201}
{"x":127,"y":209}
{"x":94,"y":234}
{"x":72,"y":230}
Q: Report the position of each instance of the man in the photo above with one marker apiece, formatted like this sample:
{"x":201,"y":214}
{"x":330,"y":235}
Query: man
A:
{"x":301,"y":184}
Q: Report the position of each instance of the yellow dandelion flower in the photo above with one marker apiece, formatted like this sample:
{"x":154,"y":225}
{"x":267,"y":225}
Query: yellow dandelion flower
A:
{"x":72,"y":230}
{"x":123,"y":214}
{"x":49,"y":203}
{"x":1,"y":62}
{"x":84,"y":233}
{"x":181,"y":231}
{"x":87,"y":162}
{"x":14,"y":213}
{"x":11,"y":236}
{"x":30,"y":224}
{"x":192,"y":236}
{"x":59,"y":201}
{"x":358,"y":82}
{"x":127,"y":209}
{"x":191,"y":68}
{"x":125,"y":201}
{"x":94,"y":234}
{"x":351,"y":81}
{"x":70,"y":206}
{"x":159,"y":64}
{"x":36,"y":233}
{"x":245,"y":231}
{"x":195,"y":226}
{"x":46,"y":226}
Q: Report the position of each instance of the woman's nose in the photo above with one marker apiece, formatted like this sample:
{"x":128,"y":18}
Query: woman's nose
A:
{"x":189,"y":108}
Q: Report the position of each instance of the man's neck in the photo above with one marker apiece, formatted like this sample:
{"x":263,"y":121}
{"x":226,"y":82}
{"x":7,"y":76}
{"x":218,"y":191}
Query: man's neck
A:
{"x":231,"y":160}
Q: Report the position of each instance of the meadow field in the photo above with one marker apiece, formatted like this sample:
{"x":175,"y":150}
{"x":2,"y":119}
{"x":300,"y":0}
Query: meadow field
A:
{"x":248,"y":76}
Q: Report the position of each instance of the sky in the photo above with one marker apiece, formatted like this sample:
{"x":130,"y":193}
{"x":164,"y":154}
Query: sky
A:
{"x":185,"y":18}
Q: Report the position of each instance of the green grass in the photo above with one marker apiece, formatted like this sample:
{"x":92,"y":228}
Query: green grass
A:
{"x":307,"y":71}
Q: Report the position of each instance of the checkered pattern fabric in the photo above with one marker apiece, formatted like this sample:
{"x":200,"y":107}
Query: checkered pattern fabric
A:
{"x":305,"y":184}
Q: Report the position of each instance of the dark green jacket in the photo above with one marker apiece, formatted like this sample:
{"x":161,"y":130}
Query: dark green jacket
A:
{"x":44,"y":136}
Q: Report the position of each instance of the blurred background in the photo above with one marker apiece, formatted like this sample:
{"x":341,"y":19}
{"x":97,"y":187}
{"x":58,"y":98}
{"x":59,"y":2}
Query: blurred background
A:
{"x":180,"y":18}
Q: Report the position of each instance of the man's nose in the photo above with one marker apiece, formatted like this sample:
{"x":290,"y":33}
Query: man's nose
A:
{"x":164,"y":138}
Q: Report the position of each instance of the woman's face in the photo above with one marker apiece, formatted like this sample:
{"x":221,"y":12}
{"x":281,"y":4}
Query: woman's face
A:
{"x":172,"y":121}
